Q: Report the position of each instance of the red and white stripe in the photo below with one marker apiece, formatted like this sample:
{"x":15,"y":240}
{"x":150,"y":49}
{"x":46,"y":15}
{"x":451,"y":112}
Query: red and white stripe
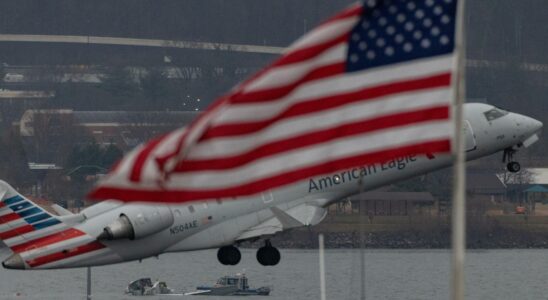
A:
{"x":59,"y":248}
{"x":302,"y":116}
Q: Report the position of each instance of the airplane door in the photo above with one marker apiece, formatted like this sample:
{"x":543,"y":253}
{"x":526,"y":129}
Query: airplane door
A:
{"x":469,"y":137}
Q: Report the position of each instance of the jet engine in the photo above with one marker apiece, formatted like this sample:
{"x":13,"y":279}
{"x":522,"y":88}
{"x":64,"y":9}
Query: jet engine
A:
{"x":138,"y":221}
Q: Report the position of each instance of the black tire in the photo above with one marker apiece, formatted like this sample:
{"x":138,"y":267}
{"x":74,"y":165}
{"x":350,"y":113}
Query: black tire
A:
{"x":268,"y":256}
{"x":274,"y":256}
{"x":513,"y":167}
{"x":261,"y":256}
{"x":229,"y":255}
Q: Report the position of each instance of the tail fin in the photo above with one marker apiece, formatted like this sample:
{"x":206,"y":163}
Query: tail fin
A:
{"x":21,"y":220}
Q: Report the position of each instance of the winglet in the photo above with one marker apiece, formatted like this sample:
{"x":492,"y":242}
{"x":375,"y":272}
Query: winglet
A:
{"x":61,"y":210}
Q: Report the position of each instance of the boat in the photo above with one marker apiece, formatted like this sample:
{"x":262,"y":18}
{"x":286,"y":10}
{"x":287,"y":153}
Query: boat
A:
{"x":145,"y":287}
{"x":236,"y":285}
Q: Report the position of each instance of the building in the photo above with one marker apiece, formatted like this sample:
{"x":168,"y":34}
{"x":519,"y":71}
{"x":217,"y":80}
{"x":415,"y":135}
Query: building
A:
{"x":48,"y":134}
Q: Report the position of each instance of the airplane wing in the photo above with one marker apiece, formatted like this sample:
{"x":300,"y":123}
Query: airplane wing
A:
{"x":298,"y":216}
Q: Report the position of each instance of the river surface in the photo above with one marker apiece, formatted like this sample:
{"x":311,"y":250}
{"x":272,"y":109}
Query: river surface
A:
{"x":389,"y":274}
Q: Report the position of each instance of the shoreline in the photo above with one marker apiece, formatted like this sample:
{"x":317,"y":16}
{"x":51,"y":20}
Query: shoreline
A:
{"x":411,"y":239}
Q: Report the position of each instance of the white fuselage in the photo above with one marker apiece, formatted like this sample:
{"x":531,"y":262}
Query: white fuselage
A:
{"x":215,"y":223}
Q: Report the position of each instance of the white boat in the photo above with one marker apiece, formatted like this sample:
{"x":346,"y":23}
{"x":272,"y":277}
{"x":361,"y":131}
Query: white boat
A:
{"x":145,"y":287}
{"x":231,"y":286}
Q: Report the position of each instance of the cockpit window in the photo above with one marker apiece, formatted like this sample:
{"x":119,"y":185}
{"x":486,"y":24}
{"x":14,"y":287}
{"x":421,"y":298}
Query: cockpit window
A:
{"x":495,"y":113}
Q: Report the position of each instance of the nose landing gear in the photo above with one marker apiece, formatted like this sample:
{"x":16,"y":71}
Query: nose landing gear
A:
{"x":229,"y":255}
{"x":511,"y":166}
{"x":268,"y":255}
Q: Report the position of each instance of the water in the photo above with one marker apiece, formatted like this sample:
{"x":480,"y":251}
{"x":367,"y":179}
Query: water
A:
{"x":390,"y":274}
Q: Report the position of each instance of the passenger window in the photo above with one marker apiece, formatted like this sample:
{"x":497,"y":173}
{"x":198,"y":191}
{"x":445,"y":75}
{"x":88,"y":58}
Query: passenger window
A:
{"x":494,"y":113}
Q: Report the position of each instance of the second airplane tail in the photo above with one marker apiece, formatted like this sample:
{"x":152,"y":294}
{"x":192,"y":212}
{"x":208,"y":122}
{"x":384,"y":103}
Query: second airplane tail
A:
{"x":22,"y":221}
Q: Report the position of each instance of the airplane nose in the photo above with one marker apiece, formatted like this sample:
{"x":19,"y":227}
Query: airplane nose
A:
{"x":531,"y":125}
{"x":536,"y":124}
{"x":528,"y":124}
{"x":14,"y":262}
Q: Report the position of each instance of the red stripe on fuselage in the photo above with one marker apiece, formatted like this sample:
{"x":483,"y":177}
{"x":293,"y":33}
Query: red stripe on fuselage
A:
{"x":15,"y":232}
{"x":47,"y":240}
{"x":9,"y":217}
{"x":65,"y":254}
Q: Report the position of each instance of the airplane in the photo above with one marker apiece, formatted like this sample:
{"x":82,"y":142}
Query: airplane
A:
{"x":111,"y":231}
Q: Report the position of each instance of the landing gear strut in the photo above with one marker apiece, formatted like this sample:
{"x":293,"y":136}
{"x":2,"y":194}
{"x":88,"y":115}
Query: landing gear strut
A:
{"x":508,"y":155}
{"x":268,"y":255}
{"x":229,"y":255}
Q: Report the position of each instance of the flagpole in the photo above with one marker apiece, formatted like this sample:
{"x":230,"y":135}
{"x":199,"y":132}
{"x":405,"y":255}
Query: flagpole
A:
{"x":322,"y":266}
{"x":458,"y":220}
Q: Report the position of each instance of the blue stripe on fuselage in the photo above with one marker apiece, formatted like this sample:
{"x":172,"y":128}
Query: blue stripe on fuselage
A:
{"x":45,"y":224}
{"x":29,"y":212}
{"x":20,"y":206}
{"x":13,"y":200}
{"x":37,"y":218}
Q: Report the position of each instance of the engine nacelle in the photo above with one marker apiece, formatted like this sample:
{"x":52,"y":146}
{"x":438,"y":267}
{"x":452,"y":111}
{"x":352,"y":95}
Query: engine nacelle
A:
{"x":138,"y":221}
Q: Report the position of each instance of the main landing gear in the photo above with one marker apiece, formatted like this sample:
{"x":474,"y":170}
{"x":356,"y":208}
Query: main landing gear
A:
{"x":229,"y":255}
{"x":268,"y":255}
{"x":507,"y":155}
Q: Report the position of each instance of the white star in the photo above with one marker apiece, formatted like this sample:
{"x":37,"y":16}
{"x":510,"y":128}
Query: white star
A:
{"x":354,"y":58}
{"x":407,"y":47}
{"x":389,"y":51}
{"x":427,"y":22}
{"x":380,"y":42}
{"x":417,"y":34}
{"x":429,"y":3}
{"x":372,"y":33}
{"x":362,"y":45}
{"x":409,"y":26}
{"x":365,"y":24}
{"x":411,"y":5}
{"x":393,"y":9}
{"x":399,"y":38}
{"x":445,"y":19}
{"x":390,"y":30}
{"x":444,"y":40}
{"x":400,"y":18}
{"x":419,"y":14}
{"x":370,"y":54}
{"x":438,"y":10}
{"x":435,"y":31}
{"x":355,"y":37}
{"x":382,"y":21}
{"x":425,"y":43}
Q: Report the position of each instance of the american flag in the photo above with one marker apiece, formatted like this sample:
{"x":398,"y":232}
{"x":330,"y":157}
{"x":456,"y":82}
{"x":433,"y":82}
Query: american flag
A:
{"x":372,"y":83}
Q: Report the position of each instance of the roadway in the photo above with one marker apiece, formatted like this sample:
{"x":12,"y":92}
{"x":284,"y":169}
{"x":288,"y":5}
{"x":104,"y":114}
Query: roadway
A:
{"x":121,"y":41}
